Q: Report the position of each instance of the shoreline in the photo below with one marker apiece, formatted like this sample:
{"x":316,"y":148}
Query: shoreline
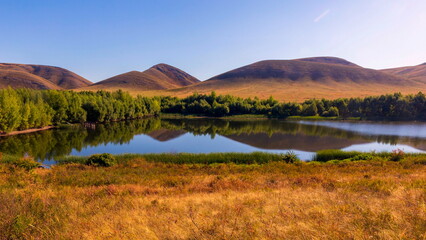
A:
{"x":231,"y":117}
{"x":31,"y":130}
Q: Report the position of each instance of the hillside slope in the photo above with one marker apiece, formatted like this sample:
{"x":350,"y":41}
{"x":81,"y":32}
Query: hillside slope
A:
{"x":39,"y":77}
{"x":161,"y":76}
{"x":18,"y":79}
{"x":300,"y":79}
{"x":417,"y":73}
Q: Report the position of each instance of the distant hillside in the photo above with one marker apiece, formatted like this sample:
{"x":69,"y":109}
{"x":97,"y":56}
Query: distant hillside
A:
{"x":161,"y":76}
{"x":39,"y":77}
{"x":300,"y":79}
{"x":17,"y":79}
{"x":330,"y":60}
{"x":417,"y":73}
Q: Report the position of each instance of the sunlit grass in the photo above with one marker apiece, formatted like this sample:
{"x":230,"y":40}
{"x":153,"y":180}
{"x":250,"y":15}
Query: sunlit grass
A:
{"x":192,"y":158}
{"x":146,"y":199}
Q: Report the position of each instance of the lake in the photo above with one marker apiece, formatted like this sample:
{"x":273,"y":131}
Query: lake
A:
{"x":201,"y":135}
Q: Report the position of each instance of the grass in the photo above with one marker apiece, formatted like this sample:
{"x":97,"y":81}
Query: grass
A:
{"x":191,"y":158}
{"x":282,"y":91}
{"x":339,"y":155}
{"x":144,"y":198}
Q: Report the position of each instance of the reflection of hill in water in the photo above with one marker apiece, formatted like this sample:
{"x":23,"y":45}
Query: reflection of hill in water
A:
{"x":276,"y":134}
{"x":164,"y":135}
{"x":297,"y":141}
{"x":264,"y":134}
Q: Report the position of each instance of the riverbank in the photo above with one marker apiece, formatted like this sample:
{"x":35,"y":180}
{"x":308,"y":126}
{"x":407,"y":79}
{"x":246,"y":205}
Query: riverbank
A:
{"x":140,"y":198}
{"x":255,"y":116}
{"x":26,"y":131}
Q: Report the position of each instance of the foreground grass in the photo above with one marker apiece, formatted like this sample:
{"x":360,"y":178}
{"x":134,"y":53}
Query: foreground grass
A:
{"x":141,"y":199}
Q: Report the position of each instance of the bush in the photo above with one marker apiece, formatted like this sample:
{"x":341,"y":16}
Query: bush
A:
{"x":363,"y":156}
{"x":25,"y":162}
{"x":397,"y":155}
{"x":102,"y":160}
{"x":332,"y":154}
{"x":290,"y":157}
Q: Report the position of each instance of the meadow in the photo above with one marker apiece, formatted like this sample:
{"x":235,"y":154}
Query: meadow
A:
{"x":382,"y":196}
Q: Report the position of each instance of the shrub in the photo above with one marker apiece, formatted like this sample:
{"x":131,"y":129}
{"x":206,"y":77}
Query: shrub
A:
{"x":26,"y":163}
{"x":397,"y":155}
{"x":332,"y":154}
{"x":102,"y":160}
{"x":290,"y":157}
{"x":363,"y":156}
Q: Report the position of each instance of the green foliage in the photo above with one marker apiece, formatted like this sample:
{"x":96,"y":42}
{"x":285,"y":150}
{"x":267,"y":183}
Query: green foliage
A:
{"x":332,"y":154}
{"x":101,"y":160}
{"x":331,"y":112}
{"x":387,"y":107}
{"x":23,"y":108}
{"x":10,"y":115}
{"x":191,"y":158}
{"x":363,"y":156}
{"x":339,"y":156}
{"x":290,"y":157}
{"x":26,"y":163}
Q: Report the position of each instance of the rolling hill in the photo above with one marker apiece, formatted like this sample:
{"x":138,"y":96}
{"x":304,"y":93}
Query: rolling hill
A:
{"x":417,"y":73}
{"x":158,"y":77}
{"x":39,"y":77}
{"x":286,"y":80}
{"x":301,"y":79}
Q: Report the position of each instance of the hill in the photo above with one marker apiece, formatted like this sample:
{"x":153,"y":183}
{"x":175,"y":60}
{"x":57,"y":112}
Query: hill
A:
{"x":300,"y":79}
{"x":329,"y":60}
{"x":417,"y":73}
{"x":39,"y":77}
{"x":158,"y":77}
{"x":17,"y":79}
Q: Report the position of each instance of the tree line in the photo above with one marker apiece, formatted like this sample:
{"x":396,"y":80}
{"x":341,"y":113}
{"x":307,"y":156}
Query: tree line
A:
{"x":385,"y":107}
{"x":24,"y":108}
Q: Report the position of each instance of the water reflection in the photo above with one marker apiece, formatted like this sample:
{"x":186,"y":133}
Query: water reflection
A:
{"x":213,"y":135}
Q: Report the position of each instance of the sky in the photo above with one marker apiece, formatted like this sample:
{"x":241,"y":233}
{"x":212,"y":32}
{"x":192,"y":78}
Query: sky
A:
{"x":98,"y":39}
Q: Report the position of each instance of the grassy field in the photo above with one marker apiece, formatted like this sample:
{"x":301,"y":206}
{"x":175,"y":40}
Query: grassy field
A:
{"x":147,"y":197}
{"x":294,"y":92}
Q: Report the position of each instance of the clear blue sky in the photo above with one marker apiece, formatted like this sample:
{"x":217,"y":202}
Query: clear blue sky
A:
{"x":101,"y":38}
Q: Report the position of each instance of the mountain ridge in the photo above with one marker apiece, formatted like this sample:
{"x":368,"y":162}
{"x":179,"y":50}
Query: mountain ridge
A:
{"x":417,"y":72}
{"x":157,"y":77}
{"x":22,"y":75}
{"x":301,"y":79}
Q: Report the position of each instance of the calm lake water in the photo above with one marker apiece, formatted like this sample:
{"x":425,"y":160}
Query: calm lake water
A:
{"x":212,"y":135}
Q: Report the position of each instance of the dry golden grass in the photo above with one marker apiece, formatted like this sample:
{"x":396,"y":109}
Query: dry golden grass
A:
{"x":413,"y":72}
{"x":286,"y":80}
{"x":160,"y":76}
{"x":18,"y":79}
{"x":39,"y":77}
{"x":141,"y":200}
{"x":295,"y":92}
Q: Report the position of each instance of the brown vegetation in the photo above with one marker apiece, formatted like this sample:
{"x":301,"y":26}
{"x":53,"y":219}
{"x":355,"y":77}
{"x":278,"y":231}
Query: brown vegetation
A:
{"x":285,"y":80}
{"x":158,"y":77}
{"x":143,"y":200}
{"x":39,"y":77}
{"x":301,"y":79}
{"x":417,"y":73}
